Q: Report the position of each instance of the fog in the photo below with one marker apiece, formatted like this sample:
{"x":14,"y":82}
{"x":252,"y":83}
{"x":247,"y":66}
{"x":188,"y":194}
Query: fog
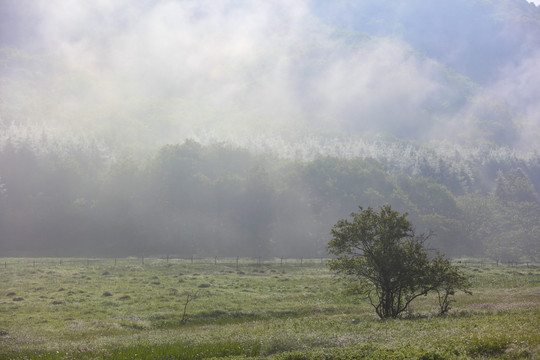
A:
{"x":157,"y":72}
{"x":92,"y":93}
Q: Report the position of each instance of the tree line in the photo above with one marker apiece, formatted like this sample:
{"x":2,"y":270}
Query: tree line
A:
{"x":208,"y":200}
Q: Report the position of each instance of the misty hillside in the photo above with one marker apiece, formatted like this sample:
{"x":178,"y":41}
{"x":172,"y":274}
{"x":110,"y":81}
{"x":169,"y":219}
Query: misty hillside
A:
{"x":161,"y":72}
{"x":212,"y":127}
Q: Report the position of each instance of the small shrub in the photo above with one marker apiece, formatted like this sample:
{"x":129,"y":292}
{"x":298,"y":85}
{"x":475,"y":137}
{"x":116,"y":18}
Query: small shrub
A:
{"x":230,"y":350}
{"x":367,"y":352}
{"x":125,"y":297}
{"x":135,"y":325}
{"x":11,"y":294}
{"x":488,"y":345}
{"x":58,"y":302}
{"x":106,"y":294}
{"x":278,"y":345}
{"x":514,"y":351}
{"x":204,"y":285}
{"x":215,"y":314}
{"x":18,"y":299}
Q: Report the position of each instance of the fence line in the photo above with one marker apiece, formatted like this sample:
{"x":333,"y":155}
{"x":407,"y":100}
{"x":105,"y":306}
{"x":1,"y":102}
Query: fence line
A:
{"x":192,"y":260}
{"x":216,"y":260}
{"x":490,"y":262}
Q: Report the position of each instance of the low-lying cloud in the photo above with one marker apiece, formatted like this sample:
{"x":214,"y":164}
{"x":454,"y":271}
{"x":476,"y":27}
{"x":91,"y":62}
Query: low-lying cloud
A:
{"x":161,"y":71}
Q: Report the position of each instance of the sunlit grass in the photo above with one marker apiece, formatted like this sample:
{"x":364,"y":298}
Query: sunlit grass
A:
{"x":85,"y":310}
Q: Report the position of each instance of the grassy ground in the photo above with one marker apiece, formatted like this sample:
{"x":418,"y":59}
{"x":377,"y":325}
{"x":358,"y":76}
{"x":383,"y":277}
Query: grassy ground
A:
{"x":134,"y":310}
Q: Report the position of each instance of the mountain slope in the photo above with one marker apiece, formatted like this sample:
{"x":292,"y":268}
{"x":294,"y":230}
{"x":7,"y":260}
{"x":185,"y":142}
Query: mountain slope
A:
{"x":157,"y":72}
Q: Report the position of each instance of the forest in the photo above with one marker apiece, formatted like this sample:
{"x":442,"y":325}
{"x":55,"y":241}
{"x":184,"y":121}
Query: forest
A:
{"x":231,"y":128}
{"x":76,"y":199}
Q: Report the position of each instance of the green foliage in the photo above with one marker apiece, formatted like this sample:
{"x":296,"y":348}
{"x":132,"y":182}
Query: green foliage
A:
{"x":488,"y":345}
{"x":381,"y":250}
{"x":187,"y":351}
{"x":217,"y":199}
{"x":504,"y":230}
{"x":429,"y":195}
{"x":514,"y":186}
{"x":152,"y":351}
{"x":447,"y":279}
{"x":366,"y":352}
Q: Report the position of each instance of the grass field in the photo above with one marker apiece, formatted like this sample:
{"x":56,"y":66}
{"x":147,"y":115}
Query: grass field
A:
{"x":131,"y":310}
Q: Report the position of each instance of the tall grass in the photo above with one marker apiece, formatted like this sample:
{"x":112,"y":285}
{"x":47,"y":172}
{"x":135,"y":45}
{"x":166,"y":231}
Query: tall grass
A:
{"x":89,"y":311}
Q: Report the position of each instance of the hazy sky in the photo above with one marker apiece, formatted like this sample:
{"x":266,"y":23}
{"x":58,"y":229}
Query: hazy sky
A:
{"x":167,"y":70}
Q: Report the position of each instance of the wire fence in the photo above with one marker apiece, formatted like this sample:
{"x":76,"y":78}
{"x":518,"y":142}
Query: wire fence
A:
{"x":491,"y":262}
{"x":225,"y":261}
{"x":192,"y":260}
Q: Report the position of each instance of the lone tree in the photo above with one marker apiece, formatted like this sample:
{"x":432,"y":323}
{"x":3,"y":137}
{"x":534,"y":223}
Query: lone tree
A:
{"x":391,"y":264}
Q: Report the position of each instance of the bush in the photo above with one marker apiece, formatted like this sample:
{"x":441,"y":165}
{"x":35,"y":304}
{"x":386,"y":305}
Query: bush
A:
{"x":390,"y":264}
{"x":367,"y":352}
{"x":488,"y":345}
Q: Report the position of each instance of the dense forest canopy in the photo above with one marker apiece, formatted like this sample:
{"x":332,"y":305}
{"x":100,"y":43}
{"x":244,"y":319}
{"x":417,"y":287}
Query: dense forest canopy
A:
{"x":249,"y":128}
{"x":221,"y":200}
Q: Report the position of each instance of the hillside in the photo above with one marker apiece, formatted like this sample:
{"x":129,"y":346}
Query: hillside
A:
{"x":457,"y":70}
{"x":206,"y":127}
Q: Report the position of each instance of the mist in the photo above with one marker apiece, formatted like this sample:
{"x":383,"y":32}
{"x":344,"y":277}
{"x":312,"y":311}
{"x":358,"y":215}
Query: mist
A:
{"x":159,"y":72}
{"x":219,"y":126}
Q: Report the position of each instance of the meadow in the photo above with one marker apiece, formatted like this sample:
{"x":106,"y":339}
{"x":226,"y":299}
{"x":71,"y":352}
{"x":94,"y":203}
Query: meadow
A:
{"x":175,"y":309}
